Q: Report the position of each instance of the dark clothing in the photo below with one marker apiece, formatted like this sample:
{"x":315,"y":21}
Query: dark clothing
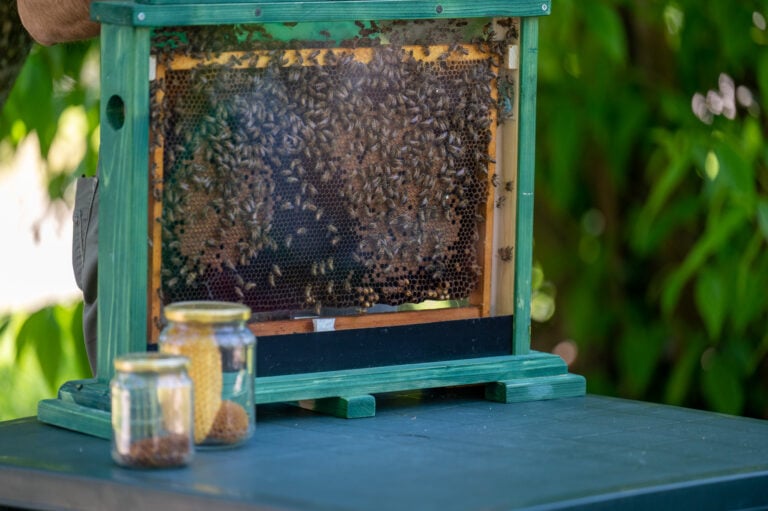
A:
{"x":85,"y":220}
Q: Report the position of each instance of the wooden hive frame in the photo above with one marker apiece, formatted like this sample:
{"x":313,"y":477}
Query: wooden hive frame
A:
{"x":479,"y":302}
{"x":128,"y":273}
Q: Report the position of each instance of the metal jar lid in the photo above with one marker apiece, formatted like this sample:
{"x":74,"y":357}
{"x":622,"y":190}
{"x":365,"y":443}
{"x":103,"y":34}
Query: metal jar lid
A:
{"x":150,"y":362}
{"x":206,"y":312}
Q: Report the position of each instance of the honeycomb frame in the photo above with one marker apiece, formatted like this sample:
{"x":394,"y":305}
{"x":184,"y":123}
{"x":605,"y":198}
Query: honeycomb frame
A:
{"x":307,"y":210}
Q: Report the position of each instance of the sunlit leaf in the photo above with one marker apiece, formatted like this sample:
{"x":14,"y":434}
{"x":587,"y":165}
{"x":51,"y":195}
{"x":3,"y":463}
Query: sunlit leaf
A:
{"x":41,"y":333}
{"x":76,"y":331}
{"x":537,"y":276}
{"x":35,"y":87}
{"x":4,"y":322}
{"x":542,"y":307}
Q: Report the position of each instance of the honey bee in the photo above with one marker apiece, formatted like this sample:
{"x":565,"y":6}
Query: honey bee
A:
{"x":505,"y":253}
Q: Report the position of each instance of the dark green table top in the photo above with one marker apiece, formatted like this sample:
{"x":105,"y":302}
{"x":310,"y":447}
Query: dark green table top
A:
{"x":444,"y":450}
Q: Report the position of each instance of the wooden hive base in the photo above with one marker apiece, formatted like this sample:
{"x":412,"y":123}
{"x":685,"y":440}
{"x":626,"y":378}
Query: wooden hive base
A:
{"x":83,"y":405}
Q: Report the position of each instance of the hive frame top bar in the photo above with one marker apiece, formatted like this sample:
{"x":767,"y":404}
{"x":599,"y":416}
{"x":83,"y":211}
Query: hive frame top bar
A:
{"x":155,"y":13}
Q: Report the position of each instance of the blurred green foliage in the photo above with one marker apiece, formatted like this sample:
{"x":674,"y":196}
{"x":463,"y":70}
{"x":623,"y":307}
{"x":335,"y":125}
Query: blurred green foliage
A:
{"x":41,"y":350}
{"x":652,"y":172}
{"x":54,"y":79}
{"x":651,"y":201}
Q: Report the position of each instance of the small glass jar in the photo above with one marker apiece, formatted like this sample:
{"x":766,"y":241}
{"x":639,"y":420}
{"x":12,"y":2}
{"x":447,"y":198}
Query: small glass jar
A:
{"x":151,"y":411}
{"x":220,"y":348}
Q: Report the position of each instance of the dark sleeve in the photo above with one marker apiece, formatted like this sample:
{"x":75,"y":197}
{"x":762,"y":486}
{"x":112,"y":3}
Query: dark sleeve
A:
{"x":15,"y":43}
{"x":84,"y":256}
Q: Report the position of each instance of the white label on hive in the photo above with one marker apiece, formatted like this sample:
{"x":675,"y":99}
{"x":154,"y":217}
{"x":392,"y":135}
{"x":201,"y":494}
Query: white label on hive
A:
{"x":512,"y":61}
{"x":152,"y":68}
{"x":324,"y":324}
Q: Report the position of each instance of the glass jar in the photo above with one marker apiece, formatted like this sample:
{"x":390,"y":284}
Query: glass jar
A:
{"x":220,"y":348}
{"x":151,"y":411}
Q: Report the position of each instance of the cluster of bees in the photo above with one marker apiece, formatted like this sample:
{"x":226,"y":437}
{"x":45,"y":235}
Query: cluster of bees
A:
{"x":315,"y":180}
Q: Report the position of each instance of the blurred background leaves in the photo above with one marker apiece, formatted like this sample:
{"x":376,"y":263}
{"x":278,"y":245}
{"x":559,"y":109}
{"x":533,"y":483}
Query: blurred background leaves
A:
{"x":651,"y":219}
{"x":54,"y":99}
{"x":652,"y":173}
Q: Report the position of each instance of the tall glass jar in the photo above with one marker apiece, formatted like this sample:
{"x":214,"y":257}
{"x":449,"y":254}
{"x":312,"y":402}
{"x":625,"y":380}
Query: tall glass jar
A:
{"x":151,"y":411}
{"x":220,"y":348}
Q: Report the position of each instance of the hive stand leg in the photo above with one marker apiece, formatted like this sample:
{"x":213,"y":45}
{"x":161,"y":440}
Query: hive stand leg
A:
{"x":534,"y":389}
{"x":346,"y":407}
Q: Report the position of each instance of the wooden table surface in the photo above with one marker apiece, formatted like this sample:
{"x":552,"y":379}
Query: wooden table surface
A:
{"x":446,"y":450}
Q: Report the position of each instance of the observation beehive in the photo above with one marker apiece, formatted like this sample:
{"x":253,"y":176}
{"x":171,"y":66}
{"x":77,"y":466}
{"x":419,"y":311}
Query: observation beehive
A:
{"x":359,"y":173}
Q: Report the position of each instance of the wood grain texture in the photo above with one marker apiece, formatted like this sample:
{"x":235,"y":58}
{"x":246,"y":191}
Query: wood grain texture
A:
{"x":526,"y":162}
{"x":75,"y":417}
{"x":445,"y":450}
{"x":123,"y":233}
{"x":179,"y":12}
{"x":90,"y":393}
{"x":536,"y":389}
{"x":383,"y":319}
{"x":274,"y":389}
{"x":344,"y":407}
{"x":505,"y":280}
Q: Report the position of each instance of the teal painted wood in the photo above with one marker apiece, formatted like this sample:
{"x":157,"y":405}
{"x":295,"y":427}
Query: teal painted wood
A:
{"x":526,"y":169}
{"x":347,"y":393}
{"x":345,"y":407}
{"x":123,"y":181}
{"x":422,"y":451}
{"x":175,"y":13}
{"x":524,"y":369}
{"x":90,"y":393}
{"x":544,"y":387}
{"x":72,"y":416}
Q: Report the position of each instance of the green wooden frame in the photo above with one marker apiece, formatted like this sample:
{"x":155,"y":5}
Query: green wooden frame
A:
{"x":123,"y":255}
